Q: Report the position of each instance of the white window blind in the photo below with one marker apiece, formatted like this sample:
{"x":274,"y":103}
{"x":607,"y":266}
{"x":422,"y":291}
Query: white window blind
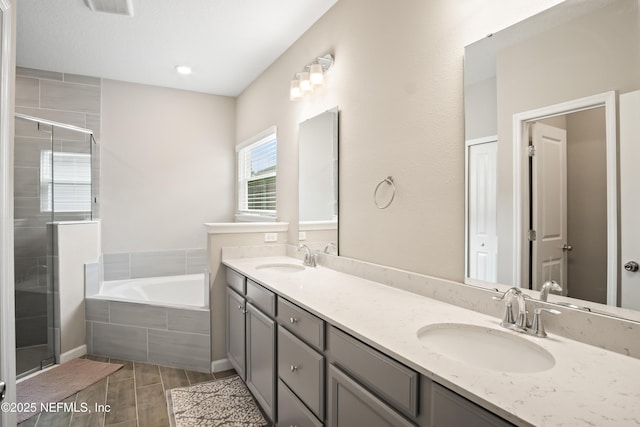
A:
{"x":257,"y":164}
{"x":65,"y":182}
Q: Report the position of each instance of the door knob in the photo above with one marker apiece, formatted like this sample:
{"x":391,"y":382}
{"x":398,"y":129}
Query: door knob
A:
{"x":631,"y":266}
{"x":567,"y":248}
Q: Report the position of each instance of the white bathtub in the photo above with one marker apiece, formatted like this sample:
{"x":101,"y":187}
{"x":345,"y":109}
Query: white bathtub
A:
{"x":190,"y":290}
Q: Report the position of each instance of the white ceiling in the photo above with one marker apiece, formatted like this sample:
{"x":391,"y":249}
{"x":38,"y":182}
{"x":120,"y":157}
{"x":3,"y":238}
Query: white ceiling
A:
{"x":227,"y":43}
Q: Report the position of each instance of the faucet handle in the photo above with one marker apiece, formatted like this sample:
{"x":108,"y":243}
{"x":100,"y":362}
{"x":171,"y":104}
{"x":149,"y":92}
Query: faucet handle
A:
{"x":507,"y":319}
{"x":537,"y":328}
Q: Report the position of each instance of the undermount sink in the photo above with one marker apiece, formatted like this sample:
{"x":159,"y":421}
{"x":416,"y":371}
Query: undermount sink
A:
{"x":281,"y":267}
{"x":485,"y":348}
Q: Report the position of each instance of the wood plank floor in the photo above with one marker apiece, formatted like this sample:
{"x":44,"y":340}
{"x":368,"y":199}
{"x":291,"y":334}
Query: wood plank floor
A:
{"x":135,"y":395}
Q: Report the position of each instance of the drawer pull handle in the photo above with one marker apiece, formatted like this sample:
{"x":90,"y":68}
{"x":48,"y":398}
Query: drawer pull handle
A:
{"x":293,"y":320}
{"x":294,"y":368}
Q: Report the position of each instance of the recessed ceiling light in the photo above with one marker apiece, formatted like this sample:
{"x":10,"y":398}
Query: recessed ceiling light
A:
{"x":183,"y":69}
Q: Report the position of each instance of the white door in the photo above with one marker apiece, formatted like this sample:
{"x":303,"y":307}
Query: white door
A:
{"x":549,"y":205}
{"x":482,"y":212}
{"x":630,"y":198}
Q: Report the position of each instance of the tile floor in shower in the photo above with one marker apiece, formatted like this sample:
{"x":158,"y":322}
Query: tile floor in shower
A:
{"x":135,"y":393}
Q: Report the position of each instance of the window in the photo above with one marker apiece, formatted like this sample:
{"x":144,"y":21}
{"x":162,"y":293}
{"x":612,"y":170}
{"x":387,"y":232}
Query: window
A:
{"x":65,"y":182}
{"x":257,"y":161}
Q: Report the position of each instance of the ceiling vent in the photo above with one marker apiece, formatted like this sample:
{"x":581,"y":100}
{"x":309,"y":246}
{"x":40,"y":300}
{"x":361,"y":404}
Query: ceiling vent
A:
{"x":119,"y":7}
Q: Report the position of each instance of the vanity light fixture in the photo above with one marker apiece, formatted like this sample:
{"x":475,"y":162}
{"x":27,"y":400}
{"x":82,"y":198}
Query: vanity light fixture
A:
{"x":310,"y":77}
{"x":305,"y":82}
{"x":295,"y":92}
{"x":183,"y":69}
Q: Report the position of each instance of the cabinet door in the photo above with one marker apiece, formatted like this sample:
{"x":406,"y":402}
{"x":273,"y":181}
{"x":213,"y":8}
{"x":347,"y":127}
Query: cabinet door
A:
{"x":236,"y":332}
{"x":451,"y":410}
{"x":261,"y":360}
{"x":352,"y":405}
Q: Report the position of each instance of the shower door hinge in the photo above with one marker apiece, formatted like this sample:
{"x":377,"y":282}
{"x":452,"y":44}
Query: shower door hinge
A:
{"x":531,"y":235}
{"x":531,"y":150}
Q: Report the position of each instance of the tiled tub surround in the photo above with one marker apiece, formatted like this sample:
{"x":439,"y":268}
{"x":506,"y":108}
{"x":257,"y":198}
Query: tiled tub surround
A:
{"x":587,"y":385}
{"x":133,"y":265}
{"x":150,"y":331}
{"x":164,"y":335}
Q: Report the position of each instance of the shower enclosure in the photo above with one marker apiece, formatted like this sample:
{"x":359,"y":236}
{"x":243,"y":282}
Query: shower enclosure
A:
{"x":55,"y":171}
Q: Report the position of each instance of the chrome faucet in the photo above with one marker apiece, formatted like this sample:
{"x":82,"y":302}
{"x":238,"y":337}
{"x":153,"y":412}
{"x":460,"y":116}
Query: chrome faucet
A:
{"x":520,"y":322}
{"x":549,"y":285}
{"x":309,"y":256}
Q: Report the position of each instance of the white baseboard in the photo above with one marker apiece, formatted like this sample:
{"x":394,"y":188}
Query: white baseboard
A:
{"x":221,"y":365}
{"x":72,"y":354}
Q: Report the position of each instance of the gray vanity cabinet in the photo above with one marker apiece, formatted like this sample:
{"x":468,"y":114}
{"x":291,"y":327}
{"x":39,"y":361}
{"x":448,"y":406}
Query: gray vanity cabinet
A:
{"x":301,"y":367}
{"x":291,"y":411}
{"x":261,"y":358}
{"x":353,"y":405}
{"x":451,"y":409}
{"x":367,"y":385}
{"x":236,"y":331}
{"x":251,"y":337}
{"x":324,"y":376}
{"x":236,"y":309}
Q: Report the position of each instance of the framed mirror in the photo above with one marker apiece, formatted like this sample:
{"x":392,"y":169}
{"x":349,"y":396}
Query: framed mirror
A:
{"x":318,"y":181}
{"x":545,"y":102}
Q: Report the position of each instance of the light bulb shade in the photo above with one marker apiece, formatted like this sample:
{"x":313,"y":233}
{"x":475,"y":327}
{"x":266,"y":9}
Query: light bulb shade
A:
{"x":305,"y":83}
{"x":316,"y":75}
{"x":295,"y":92}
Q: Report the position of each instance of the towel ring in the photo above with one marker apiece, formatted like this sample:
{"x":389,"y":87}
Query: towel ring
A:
{"x":387,"y":180}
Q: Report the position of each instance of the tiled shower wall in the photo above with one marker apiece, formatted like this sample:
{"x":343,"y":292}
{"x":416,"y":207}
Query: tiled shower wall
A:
{"x":65,"y":98}
{"x":133,"y":265}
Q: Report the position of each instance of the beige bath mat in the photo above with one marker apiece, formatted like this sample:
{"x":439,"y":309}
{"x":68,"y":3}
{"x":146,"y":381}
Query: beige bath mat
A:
{"x":59,"y":383}
{"x":225,"y":402}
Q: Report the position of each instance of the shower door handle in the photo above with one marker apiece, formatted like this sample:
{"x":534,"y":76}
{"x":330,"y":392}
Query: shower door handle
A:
{"x":3,"y":390}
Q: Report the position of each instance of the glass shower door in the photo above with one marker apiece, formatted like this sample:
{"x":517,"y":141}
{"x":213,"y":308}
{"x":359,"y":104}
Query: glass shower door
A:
{"x":53,"y":171}
{"x":33,"y":250}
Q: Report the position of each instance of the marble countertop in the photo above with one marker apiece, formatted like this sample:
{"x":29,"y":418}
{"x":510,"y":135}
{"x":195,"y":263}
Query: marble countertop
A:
{"x":586,"y":386}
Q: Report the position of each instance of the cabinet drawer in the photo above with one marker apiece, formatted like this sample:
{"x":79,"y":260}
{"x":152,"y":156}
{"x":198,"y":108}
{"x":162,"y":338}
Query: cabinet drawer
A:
{"x":391,"y":380}
{"x":302,"y":369}
{"x":291,"y":412}
{"x":236,"y":281}
{"x":261,"y":297}
{"x":303,"y":324}
{"x":450,"y":409}
{"x":352,"y":405}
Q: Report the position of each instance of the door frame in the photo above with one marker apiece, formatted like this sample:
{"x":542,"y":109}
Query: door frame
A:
{"x":467,"y":145}
{"x":7,"y":315}
{"x":521,"y":123}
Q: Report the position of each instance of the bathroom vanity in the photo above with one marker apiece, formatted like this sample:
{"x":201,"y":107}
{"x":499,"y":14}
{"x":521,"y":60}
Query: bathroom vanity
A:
{"x":364,"y":386}
{"x":338,"y":350}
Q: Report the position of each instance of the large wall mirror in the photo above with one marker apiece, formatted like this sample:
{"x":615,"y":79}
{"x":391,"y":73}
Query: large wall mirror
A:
{"x":549,"y":112}
{"x":318,"y":181}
